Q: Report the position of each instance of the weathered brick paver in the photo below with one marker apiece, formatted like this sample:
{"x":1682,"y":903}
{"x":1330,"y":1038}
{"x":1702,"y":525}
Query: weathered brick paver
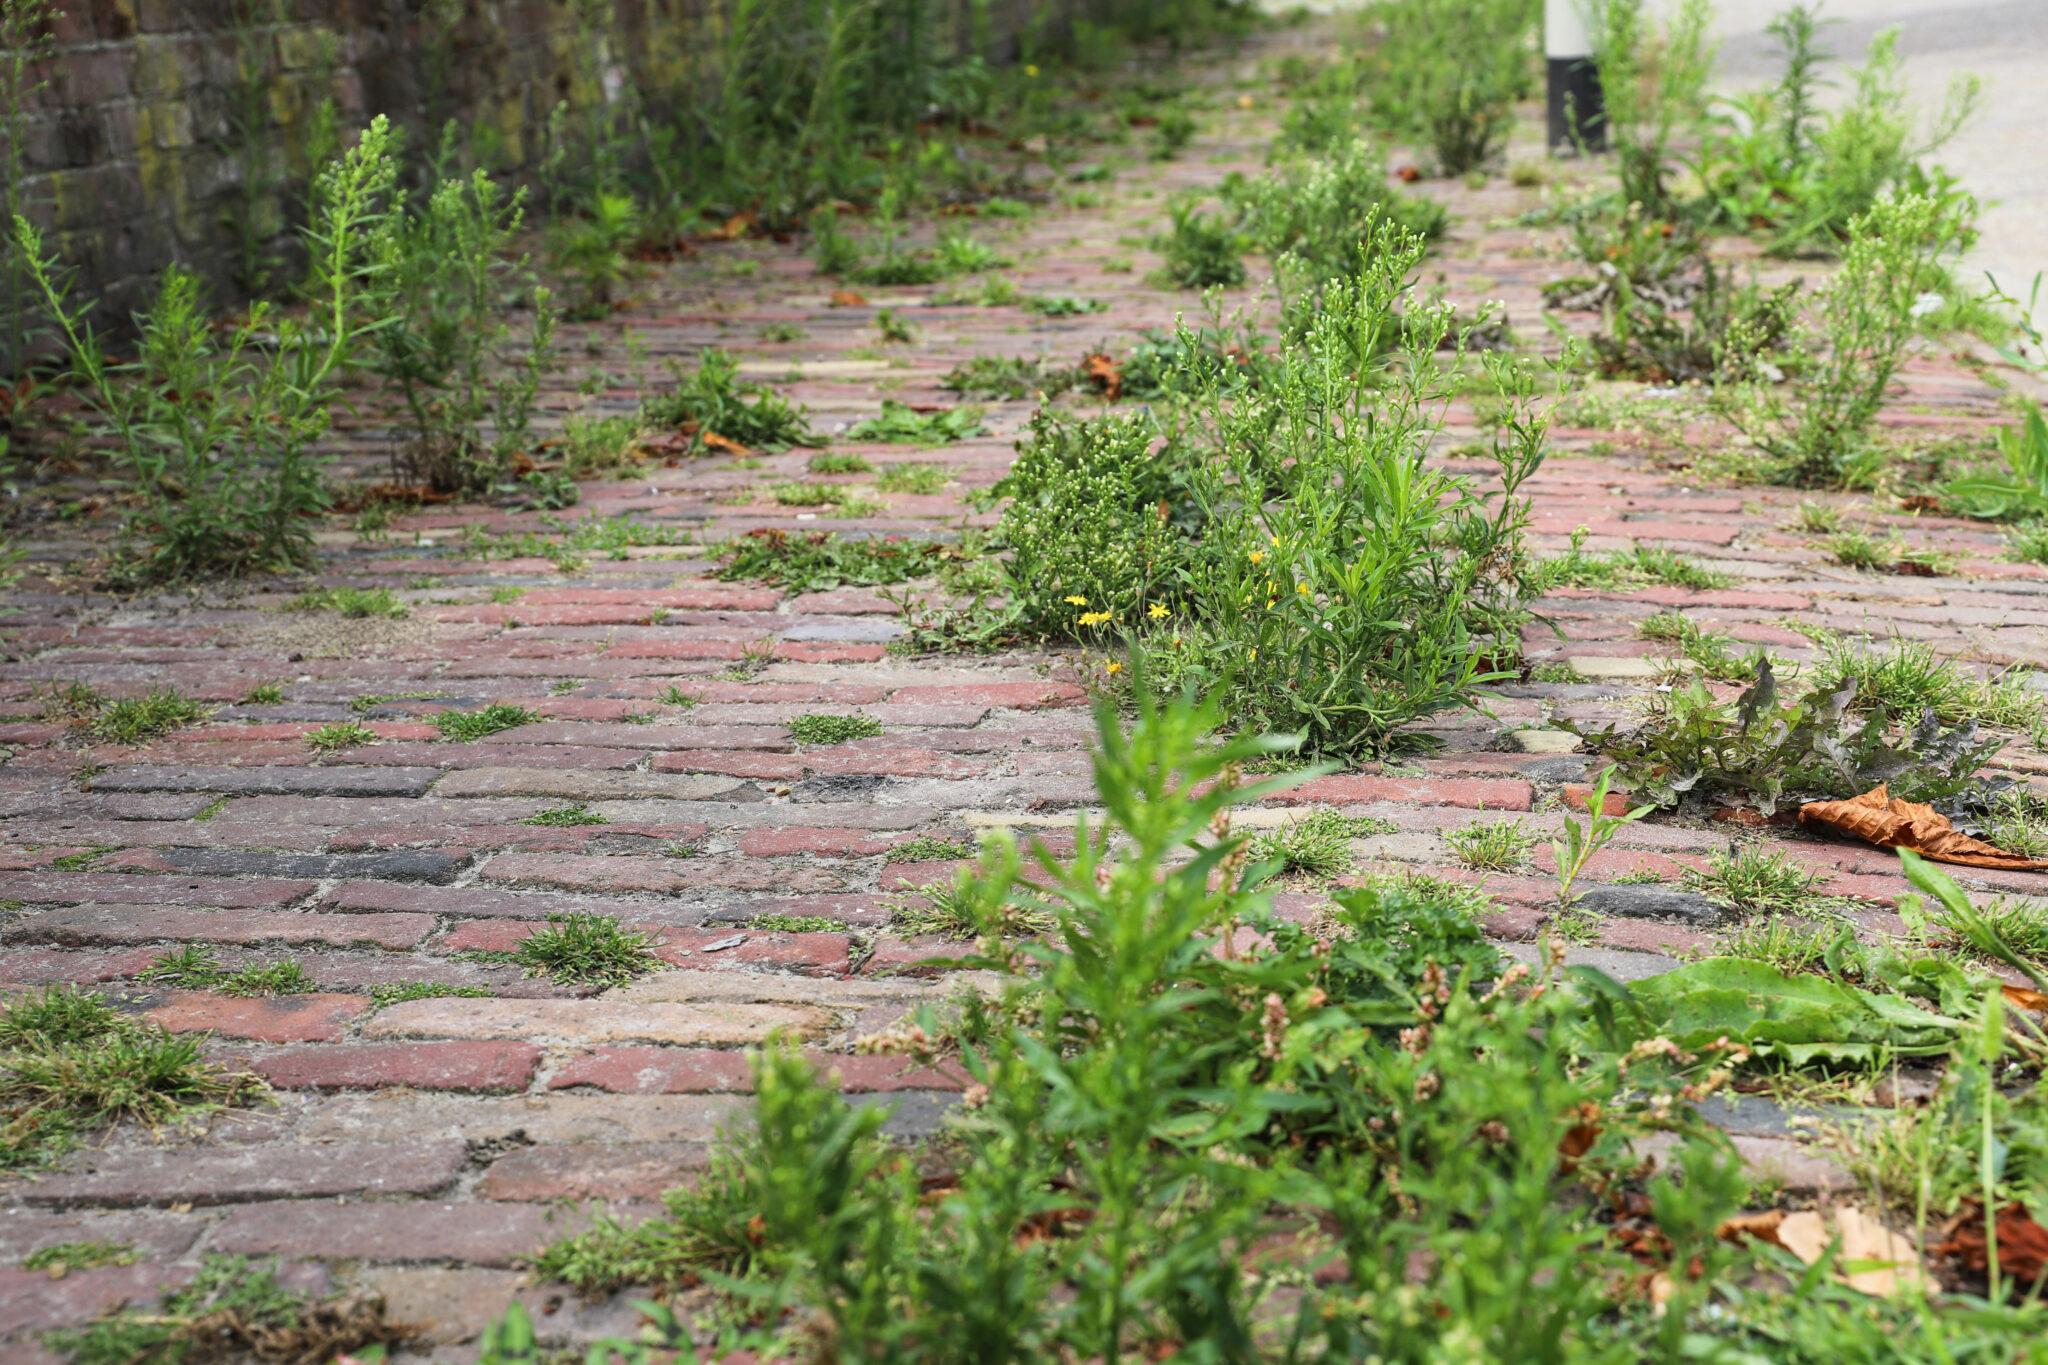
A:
{"x":426,"y":1146}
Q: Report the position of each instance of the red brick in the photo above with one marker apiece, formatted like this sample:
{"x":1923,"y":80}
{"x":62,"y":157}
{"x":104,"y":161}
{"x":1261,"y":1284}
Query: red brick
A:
{"x":93,"y":924}
{"x":33,"y":968}
{"x":1474,"y":793}
{"x":912,"y":876}
{"x":823,"y":842}
{"x":911,"y":956}
{"x":767,"y":767}
{"x":658,"y":876}
{"x":31,"y":1301}
{"x":1648,"y":936}
{"x":313,"y":1018}
{"x":473,"y":1233}
{"x":592,"y":1170}
{"x":73,"y":887}
{"x":697,"y":1071}
{"x":127,"y":1177}
{"x":422,"y":1066}
{"x":628,"y":1070}
{"x":1017,"y":696}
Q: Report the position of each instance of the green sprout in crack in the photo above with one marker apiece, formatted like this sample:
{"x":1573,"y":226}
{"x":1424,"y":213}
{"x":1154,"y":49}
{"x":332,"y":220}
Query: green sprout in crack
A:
{"x":581,"y":947}
{"x":466,"y":726}
{"x":1319,"y":843}
{"x":562,"y":817}
{"x":1500,"y":846}
{"x":833,"y":729}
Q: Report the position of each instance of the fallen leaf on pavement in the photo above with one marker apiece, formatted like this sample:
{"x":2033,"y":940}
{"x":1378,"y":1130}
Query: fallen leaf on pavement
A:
{"x":848,"y":298}
{"x":2025,"y":997}
{"x":1875,"y":1259}
{"x":2022,"y":1242}
{"x":1889,"y":822}
{"x":716,"y":442}
{"x":1106,"y":372}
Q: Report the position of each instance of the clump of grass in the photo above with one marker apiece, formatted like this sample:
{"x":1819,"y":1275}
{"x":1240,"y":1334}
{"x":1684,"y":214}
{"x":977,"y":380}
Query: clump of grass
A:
{"x":939,"y":908}
{"x":1202,"y":252}
{"x":264,"y":694}
{"x":837,"y":462}
{"x":1818,"y":518}
{"x":465,"y":726}
{"x":1908,"y":677}
{"x":69,"y":1061}
{"x":833,"y":729}
{"x":395,"y":992}
{"x":193,"y":967}
{"x":821,"y":561}
{"x":1557,"y":673}
{"x":562,"y":817}
{"x":1500,"y":846}
{"x":929,"y":848}
{"x":795,"y":924}
{"x":1758,"y":880}
{"x":672,"y":695}
{"x":342,"y":734}
{"x":232,"y":1309}
{"x":2028,"y":544}
{"x":810,"y":494}
{"x":711,"y":1225}
{"x":1712,"y":650}
{"x":582,"y":947}
{"x":1790,"y":945}
{"x":920,"y":479}
{"x":77,"y":862}
{"x":2020,"y":925}
{"x":1438,"y":893}
{"x":1011,"y":377}
{"x":138,"y":720}
{"x":274,"y":978}
{"x":355,"y":603}
{"x":1640,"y":567}
{"x":68,"y":1256}
{"x":1061,"y":305}
{"x":1319,"y":843}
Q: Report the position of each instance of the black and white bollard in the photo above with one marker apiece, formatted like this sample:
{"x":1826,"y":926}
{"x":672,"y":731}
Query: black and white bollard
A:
{"x":1578,"y":113}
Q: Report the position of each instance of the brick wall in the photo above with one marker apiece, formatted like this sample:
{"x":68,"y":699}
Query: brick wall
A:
{"x":135,"y":151}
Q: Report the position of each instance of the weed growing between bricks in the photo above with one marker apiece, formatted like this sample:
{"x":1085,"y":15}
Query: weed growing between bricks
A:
{"x":71,"y":1064}
{"x":236,"y":1307}
{"x":1154,"y":1104}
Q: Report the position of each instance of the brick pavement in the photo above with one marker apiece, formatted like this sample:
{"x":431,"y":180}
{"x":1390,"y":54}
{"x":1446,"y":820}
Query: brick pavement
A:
{"x":425,"y":1146}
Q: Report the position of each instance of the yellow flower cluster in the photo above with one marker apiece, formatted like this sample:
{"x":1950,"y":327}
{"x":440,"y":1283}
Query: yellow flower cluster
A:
{"x":1096,"y":618}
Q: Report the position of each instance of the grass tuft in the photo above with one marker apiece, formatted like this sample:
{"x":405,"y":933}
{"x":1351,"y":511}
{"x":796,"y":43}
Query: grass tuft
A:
{"x":833,"y":729}
{"x":1319,"y":843}
{"x":1758,"y":880}
{"x":342,"y":734}
{"x":354,"y":603}
{"x":466,"y":726}
{"x":581,"y":947}
{"x":1500,"y":846}
{"x":562,"y":817}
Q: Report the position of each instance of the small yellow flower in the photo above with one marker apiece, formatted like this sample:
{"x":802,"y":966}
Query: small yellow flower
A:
{"x":1078,"y":601}
{"x":1301,"y":588}
{"x":1275,"y":540}
{"x":1158,"y":612}
{"x":1254,"y":657}
{"x":1113,"y":669}
{"x":1096,"y":618}
{"x":1031,"y":71}
{"x":1258,"y":556}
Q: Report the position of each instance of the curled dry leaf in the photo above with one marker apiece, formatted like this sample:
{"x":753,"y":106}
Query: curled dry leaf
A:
{"x":848,"y":298}
{"x":713,"y":441}
{"x":2025,"y":997}
{"x":1889,"y":822}
{"x":2022,"y":1242}
{"x":1106,"y":373}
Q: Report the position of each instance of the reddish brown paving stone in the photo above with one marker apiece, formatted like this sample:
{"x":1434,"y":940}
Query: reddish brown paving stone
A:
{"x":494,"y":1066}
{"x":600,"y":1170}
{"x":313,"y":1018}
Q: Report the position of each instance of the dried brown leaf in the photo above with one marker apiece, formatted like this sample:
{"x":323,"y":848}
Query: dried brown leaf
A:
{"x":1889,"y":822}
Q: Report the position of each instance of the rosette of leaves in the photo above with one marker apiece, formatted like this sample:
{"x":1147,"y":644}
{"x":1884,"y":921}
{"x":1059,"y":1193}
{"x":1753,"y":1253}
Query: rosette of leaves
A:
{"x":1697,"y":748}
